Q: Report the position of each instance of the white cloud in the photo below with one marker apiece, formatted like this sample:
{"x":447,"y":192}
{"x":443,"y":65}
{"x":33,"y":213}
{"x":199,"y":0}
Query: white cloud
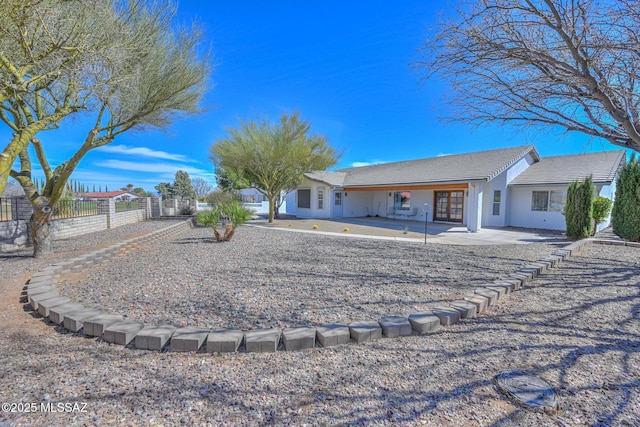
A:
{"x":159,"y":168}
{"x":144,"y":152}
{"x":371,"y":163}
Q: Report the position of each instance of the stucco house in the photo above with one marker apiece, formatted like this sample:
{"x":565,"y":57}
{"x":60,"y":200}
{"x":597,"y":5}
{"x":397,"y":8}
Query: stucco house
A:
{"x":494,"y":188}
{"x":118,"y":195}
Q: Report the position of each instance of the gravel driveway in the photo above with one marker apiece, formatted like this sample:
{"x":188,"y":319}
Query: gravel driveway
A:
{"x":578,"y":327}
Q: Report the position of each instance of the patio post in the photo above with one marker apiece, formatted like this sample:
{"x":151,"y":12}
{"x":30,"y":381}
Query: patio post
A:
{"x":426,"y":218}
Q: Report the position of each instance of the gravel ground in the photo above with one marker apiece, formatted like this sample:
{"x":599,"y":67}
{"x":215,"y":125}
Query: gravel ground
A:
{"x":577,"y":327}
{"x":272,"y":278}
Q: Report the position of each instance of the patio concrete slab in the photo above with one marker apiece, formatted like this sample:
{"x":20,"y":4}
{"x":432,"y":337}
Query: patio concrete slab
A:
{"x":447,"y":315}
{"x":46,"y":305}
{"x":224,"y":340}
{"x":480,"y":302}
{"x":189,"y":338}
{"x":299,"y":338}
{"x":395,"y":326}
{"x":56,"y":314}
{"x":154,"y":337}
{"x":333,"y":334}
{"x":74,"y":320}
{"x":365,"y":330}
{"x":95,"y":326}
{"x":491,"y":296}
{"x":424,"y":322}
{"x":262,"y":340}
{"x":468,"y":310}
{"x":122,"y":332}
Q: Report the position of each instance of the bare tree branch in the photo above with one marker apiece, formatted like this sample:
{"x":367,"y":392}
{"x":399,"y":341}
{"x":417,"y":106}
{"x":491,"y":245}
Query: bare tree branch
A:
{"x":568,"y":63}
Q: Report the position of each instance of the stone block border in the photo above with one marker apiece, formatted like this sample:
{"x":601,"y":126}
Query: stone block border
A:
{"x":42,"y":295}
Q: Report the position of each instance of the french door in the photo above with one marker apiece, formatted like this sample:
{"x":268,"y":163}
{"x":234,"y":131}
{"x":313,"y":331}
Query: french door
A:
{"x":449,"y":206}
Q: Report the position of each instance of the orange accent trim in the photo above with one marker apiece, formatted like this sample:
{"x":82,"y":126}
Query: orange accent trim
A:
{"x":462,"y":186}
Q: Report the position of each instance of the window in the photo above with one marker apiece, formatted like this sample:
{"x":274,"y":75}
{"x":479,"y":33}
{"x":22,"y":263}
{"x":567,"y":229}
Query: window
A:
{"x":304,"y":199}
{"x":496,"y":202}
{"x":337,"y":201}
{"x":556,"y":201}
{"x":320,"y":199}
{"x":548,"y":201}
{"x":402,"y":200}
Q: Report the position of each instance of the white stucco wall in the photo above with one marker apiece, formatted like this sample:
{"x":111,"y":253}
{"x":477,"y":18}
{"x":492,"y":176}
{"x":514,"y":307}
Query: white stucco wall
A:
{"x":521,"y":214}
{"x":357,"y":203}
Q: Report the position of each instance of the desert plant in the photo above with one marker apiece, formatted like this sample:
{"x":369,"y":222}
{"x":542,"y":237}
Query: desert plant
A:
{"x":187,"y":210}
{"x":233,"y":211}
{"x":601,"y":210}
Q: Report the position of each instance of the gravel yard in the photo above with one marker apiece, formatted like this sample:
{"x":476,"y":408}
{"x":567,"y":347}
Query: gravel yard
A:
{"x":273,"y":278}
{"x":577,"y":327}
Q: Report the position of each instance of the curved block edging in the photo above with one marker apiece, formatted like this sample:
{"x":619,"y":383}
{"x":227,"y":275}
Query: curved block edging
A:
{"x":42,"y":295}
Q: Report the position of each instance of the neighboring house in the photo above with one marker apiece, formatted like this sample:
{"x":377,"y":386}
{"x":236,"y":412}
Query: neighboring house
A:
{"x":495,"y":188}
{"x":119,"y":195}
{"x":253,"y":199}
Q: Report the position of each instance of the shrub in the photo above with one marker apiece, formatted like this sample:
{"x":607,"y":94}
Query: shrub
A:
{"x":218,"y":198}
{"x":601,"y":210}
{"x":578,"y":209}
{"x":626,"y":208}
{"x":233,"y":212}
{"x":186,"y":210}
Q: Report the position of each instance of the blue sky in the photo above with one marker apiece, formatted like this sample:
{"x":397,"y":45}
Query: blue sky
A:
{"x":346,"y":66}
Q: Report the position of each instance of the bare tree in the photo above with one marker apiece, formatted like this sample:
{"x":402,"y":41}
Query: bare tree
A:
{"x":146,"y":74}
{"x":201,"y":187}
{"x":568,"y":63}
{"x":12,"y":189}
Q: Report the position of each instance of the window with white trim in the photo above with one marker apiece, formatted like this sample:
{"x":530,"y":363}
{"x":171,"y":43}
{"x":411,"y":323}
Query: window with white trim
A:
{"x":548,"y":201}
{"x":304,"y":199}
{"x":496,"y":202}
{"x":320,"y":198}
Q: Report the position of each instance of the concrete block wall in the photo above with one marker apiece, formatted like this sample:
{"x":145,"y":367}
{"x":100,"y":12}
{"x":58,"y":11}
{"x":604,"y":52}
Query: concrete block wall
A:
{"x":43,"y":296}
{"x":14,"y":235}
{"x":127,"y":217}
{"x":70,"y":227}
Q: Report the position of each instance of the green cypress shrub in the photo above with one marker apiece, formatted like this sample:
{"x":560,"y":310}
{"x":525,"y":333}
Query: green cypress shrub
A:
{"x":626,"y":207}
{"x":601,"y":210}
{"x":578,"y":209}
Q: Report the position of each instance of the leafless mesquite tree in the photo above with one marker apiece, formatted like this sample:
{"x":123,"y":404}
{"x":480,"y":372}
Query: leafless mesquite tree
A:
{"x":568,"y":63}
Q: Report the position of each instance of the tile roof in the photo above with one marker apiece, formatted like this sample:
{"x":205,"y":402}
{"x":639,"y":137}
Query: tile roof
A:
{"x":108,"y":194}
{"x":334,"y":179}
{"x":602,"y":166}
{"x":481,"y":165}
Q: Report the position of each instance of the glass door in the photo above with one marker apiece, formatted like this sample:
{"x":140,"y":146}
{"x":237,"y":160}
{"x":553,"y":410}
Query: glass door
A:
{"x":449,"y":206}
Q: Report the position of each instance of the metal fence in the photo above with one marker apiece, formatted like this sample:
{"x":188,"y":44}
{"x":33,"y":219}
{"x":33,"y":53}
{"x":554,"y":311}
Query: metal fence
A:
{"x":8,"y":208}
{"x":127,"y":205}
{"x":75,"y":208}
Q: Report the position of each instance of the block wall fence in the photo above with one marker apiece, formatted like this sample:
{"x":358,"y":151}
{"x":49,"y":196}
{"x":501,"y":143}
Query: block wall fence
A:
{"x":14,"y":235}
